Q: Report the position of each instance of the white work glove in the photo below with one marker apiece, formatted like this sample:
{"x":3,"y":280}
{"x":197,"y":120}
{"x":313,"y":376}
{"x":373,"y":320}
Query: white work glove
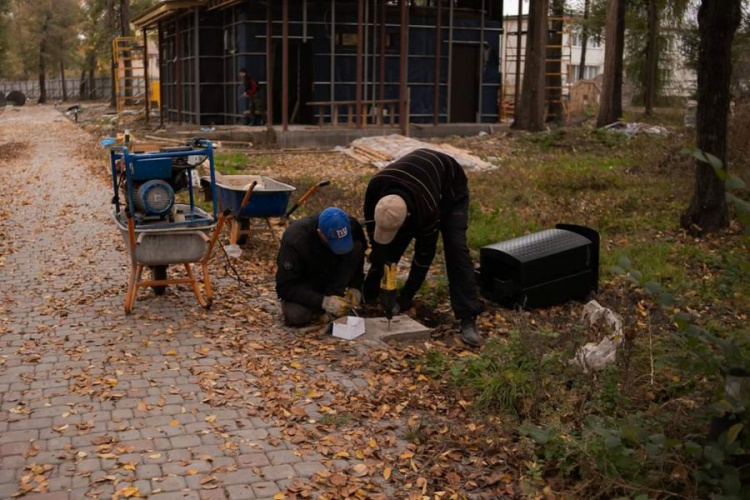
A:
{"x":335,"y":305}
{"x":354,"y":297}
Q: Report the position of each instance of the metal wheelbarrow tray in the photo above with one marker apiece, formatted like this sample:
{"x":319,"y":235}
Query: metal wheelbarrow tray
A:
{"x":163,"y":246}
{"x":160,"y":245}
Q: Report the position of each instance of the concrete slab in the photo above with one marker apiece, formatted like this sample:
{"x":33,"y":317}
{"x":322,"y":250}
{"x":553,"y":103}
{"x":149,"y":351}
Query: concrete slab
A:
{"x":402,"y":328}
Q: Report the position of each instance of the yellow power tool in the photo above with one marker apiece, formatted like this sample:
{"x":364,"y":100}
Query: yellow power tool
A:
{"x":389,"y":291}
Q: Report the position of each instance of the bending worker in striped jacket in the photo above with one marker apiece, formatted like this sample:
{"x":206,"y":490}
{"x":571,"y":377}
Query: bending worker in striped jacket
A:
{"x":419,"y":197}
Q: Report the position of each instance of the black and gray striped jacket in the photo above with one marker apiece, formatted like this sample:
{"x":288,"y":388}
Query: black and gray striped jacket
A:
{"x":431,"y":183}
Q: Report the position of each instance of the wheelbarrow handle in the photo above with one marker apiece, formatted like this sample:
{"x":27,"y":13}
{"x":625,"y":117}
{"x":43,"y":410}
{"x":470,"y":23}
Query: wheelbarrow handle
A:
{"x":309,"y":194}
{"x":248,"y":194}
{"x":131,"y":234}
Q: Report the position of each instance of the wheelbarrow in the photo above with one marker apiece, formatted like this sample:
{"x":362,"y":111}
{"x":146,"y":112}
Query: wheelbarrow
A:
{"x":270,"y":199}
{"x":158,"y":248}
{"x":158,"y":232}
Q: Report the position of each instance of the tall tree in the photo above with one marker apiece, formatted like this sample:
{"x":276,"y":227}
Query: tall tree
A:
{"x":531,"y":109}
{"x":653,"y":29}
{"x":111,"y":22}
{"x":584,"y":39}
{"x":718,"y":21}
{"x":44,"y":33}
{"x":125,"y":17}
{"x":652,"y":57}
{"x":610,"y":107}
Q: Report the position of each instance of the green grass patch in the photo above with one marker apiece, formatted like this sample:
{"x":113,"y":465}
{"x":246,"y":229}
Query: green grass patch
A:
{"x":493,"y":225}
{"x":233,"y":163}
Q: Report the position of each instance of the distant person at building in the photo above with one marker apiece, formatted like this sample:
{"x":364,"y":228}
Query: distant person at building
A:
{"x":250,"y":99}
{"x":320,"y":267}
{"x":423,"y":195}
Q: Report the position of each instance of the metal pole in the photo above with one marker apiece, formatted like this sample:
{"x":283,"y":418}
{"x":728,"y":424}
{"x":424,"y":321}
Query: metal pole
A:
{"x":333,"y":57}
{"x":403,"y":87}
{"x":374,"y":51}
{"x":438,"y":55}
{"x":304,"y":21}
{"x":481,"y":63}
{"x":450,"y":60}
{"x":162,"y":73}
{"x":145,"y":73}
{"x":383,"y":19}
{"x":518,"y":56}
{"x":197,"y":68}
{"x":360,"y":36}
{"x":178,"y":67}
{"x":285,"y":67}
{"x":269,"y":65}
{"x":366,"y":42}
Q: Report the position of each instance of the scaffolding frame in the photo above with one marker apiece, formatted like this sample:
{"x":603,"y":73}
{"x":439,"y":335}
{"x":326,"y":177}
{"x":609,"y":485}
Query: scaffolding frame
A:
{"x":513,"y":83}
{"x":130,"y":56}
{"x":369,"y":70}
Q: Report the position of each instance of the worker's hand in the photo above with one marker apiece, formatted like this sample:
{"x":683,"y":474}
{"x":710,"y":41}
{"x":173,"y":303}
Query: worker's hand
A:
{"x":354,"y":297}
{"x":335,"y":305}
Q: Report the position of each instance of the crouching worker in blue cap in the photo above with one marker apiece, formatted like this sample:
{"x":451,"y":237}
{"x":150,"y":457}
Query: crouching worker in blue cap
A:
{"x":320,"y":267}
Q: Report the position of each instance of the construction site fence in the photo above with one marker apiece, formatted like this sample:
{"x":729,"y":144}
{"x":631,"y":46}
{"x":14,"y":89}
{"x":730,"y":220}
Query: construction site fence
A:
{"x":101,"y":88}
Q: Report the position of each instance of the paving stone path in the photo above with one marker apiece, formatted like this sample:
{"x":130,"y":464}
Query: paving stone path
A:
{"x":93,"y":402}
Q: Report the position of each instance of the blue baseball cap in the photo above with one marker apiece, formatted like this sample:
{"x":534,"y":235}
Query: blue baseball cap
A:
{"x":335,"y":226}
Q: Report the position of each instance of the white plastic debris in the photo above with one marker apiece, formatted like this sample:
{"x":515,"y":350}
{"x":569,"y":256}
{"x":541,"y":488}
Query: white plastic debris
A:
{"x":381,"y":151}
{"x":635,"y":128}
{"x":349,"y":327}
{"x":233,"y":251}
{"x":593,"y":356}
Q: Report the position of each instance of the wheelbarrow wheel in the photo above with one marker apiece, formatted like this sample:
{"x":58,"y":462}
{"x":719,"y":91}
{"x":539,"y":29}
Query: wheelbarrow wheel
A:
{"x":159,"y":273}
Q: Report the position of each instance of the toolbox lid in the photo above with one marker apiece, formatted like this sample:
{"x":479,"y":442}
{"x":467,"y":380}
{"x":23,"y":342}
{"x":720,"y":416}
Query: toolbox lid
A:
{"x":537,"y":245}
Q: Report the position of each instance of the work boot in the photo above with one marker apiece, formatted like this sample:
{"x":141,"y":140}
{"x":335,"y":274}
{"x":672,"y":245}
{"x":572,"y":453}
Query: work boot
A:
{"x":469,"y":334}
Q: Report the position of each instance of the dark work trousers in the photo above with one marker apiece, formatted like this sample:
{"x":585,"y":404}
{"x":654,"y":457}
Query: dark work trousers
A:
{"x":297,"y":315}
{"x":462,"y":281}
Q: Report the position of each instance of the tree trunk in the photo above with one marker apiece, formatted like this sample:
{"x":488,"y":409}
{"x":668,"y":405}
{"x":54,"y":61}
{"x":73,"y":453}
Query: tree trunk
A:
{"x":610,"y":108}
{"x":62,"y":81}
{"x":125,"y":17}
{"x":530,"y":112}
{"x":92,"y":84}
{"x":652,"y":58}
{"x":555,"y":109}
{"x":112,"y":30}
{"x":42,"y":74}
{"x":83,"y":84}
{"x":584,"y":39}
{"x":717,"y":21}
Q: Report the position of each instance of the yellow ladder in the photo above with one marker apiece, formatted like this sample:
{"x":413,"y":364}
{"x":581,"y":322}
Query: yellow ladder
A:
{"x":129,"y":65}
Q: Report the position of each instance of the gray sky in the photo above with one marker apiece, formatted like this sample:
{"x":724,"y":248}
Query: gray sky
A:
{"x":511,"y":7}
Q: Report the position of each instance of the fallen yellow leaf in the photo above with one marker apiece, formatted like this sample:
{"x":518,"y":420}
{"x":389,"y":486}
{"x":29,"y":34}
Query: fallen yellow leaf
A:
{"x":127,"y":492}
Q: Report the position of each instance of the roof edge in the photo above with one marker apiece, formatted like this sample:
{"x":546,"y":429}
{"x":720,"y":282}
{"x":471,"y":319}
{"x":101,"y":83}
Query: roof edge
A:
{"x":162,"y":9}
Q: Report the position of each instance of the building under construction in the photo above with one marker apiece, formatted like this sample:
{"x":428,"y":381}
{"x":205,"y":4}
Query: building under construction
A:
{"x":356,"y":63}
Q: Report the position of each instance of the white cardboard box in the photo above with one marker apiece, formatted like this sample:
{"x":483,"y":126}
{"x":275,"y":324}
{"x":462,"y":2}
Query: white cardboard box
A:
{"x":348,"y":327}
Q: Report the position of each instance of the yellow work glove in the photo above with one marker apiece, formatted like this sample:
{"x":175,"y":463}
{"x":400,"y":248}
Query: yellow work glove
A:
{"x":353,"y":296}
{"x":335,"y":305}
